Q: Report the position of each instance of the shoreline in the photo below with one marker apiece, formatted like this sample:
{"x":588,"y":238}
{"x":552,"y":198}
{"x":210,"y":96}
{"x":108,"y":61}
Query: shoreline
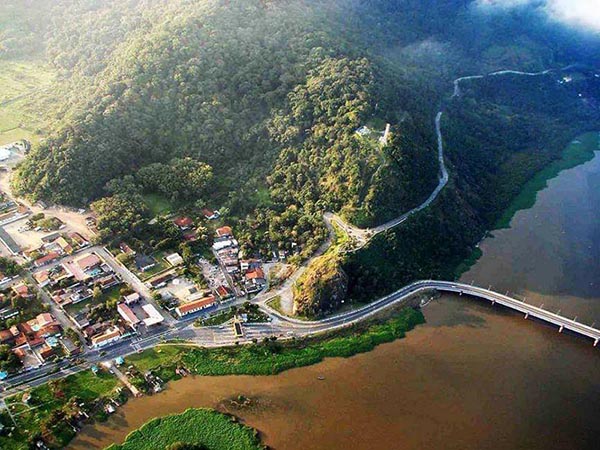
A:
{"x":573,"y":155}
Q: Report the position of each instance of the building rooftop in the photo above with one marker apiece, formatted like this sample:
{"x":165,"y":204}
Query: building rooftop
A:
{"x":196,"y":304}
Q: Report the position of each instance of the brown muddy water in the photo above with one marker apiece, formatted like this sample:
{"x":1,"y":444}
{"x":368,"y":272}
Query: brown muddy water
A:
{"x":473,"y":377}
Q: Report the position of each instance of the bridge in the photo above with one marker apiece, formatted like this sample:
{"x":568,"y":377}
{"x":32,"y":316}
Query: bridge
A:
{"x":407,"y":292}
{"x":528,"y":310}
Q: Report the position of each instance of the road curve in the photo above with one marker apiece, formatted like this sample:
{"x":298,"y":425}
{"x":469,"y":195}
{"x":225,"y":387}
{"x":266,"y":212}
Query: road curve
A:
{"x":216,"y":337}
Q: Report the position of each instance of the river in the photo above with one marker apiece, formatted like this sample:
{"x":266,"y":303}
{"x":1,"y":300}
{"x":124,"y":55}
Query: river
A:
{"x":473,"y":377}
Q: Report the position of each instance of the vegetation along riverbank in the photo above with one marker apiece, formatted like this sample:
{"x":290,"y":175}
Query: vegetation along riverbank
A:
{"x":195,"y":429}
{"x":57,"y":409}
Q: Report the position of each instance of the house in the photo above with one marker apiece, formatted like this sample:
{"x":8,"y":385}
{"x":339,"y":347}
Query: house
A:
{"x":88,"y":261}
{"x":224,"y":293}
{"x":69,"y":347}
{"x":22,"y":290}
{"x":224,"y":232}
{"x":190,"y":235}
{"x":184,"y":223}
{"x":363,"y":131}
{"x":45,"y":352}
{"x":195,"y":306}
{"x":161,"y":280}
{"x":128,"y":315}
{"x":174,"y":259}
{"x":107,"y":281}
{"x":126,"y":249}
{"x":45,"y":320}
{"x":109,"y":336}
{"x":249,"y":264}
{"x":42,"y":278}
{"x":154,"y":317}
{"x":7,"y":313}
{"x":80,"y":320}
{"x":50,"y":237}
{"x":78,"y":240}
{"x":209,"y":214}
{"x":6,"y":337}
{"x":131,"y":298}
{"x":47,"y":259}
{"x":64,"y":246}
{"x":144,"y":262}
{"x":256,"y":277}
{"x":224,"y":244}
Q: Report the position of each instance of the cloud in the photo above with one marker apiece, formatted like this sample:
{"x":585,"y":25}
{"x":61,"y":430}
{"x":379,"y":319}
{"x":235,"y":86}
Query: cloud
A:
{"x":576,"y":13}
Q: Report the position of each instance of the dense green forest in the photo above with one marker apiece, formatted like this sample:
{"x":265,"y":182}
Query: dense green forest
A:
{"x":498,"y":134}
{"x":252,"y":106}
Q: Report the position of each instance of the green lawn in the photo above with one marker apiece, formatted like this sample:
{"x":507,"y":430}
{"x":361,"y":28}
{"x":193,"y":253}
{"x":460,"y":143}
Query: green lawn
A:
{"x":155,"y":357}
{"x":85,"y":385}
{"x":23,"y":85}
{"x":157,"y":204}
{"x":205,"y":427}
{"x":112,"y":293}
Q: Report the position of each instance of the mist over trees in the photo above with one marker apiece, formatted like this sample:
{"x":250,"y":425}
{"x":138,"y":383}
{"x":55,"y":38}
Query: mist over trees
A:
{"x":253,"y":106}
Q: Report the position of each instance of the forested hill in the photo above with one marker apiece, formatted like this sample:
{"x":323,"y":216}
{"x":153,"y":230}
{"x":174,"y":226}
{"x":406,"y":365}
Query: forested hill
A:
{"x":265,"y":96}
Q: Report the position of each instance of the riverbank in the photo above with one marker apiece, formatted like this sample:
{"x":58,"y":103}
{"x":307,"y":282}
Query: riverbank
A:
{"x":579,"y":151}
{"x":204,"y":428}
{"x":471,"y":373}
{"x":53,"y":412}
{"x":271,"y":356}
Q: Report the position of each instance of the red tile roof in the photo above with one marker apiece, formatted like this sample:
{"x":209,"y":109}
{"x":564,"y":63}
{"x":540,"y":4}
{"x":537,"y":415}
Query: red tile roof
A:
{"x":255,"y":274}
{"x":5,"y":335}
{"x":223,"y":290}
{"x":46,"y":259}
{"x":224,"y":231}
{"x":21,"y":289}
{"x":88,"y":261}
{"x":197,"y":304}
{"x":183,"y":222}
{"x":127,"y":314}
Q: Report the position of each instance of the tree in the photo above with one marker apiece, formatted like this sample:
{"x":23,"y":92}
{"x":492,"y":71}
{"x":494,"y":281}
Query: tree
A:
{"x":9,"y":362}
{"x":124,"y":258}
{"x":119,"y":215}
{"x":185,"y":446}
{"x":180,"y":179}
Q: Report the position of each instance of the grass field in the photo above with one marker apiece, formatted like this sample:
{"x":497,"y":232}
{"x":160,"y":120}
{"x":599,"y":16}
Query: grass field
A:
{"x":157,"y":204}
{"x":206,"y":427}
{"x":573,"y":155}
{"x":44,"y":401}
{"x":112,"y":293}
{"x":23,"y":84}
{"x":274,"y":357}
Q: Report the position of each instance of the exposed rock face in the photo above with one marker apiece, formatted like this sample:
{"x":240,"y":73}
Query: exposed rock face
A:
{"x":322,"y":288}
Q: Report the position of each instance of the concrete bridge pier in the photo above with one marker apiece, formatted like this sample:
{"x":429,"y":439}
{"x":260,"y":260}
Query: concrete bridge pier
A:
{"x":562,"y":327}
{"x":596,"y":342}
{"x":526,"y":315}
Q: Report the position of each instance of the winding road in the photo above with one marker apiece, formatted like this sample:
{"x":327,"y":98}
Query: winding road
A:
{"x":287,"y":327}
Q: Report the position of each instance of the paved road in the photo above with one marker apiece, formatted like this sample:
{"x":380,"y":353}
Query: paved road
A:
{"x":132,"y":280}
{"x":284,"y":326}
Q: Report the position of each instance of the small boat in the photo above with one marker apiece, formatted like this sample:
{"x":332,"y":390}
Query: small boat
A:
{"x":320,"y":377}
